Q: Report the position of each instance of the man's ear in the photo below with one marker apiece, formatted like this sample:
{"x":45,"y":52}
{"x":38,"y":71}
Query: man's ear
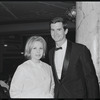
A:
{"x":66,"y":31}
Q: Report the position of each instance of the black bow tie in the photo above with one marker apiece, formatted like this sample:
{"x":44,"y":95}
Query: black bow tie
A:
{"x":58,"y":48}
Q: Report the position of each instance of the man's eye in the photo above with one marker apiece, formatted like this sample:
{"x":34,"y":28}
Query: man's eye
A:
{"x":34,"y":48}
{"x":52,"y":30}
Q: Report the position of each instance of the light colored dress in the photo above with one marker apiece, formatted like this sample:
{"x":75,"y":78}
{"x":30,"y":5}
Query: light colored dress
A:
{"x":32,"y":81}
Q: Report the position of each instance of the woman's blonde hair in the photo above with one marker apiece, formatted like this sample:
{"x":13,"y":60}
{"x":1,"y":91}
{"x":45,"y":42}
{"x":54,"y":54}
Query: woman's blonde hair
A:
{"x":29,"y":45}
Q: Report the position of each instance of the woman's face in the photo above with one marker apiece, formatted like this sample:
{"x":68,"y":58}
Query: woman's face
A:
{"x":37,"y":51}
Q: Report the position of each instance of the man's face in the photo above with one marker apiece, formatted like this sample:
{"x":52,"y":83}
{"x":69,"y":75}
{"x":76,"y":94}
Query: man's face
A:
{"x":57,"y":32}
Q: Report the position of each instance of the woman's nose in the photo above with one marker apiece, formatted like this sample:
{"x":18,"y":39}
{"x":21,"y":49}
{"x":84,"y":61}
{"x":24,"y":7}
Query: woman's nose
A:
{"x":38,"y":50}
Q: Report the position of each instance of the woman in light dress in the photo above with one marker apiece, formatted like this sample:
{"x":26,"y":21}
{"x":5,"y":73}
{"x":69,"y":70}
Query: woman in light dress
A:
{"x":33,"y":78}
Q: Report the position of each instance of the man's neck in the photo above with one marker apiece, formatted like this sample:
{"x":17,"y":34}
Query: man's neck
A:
{"x":59,"y":44}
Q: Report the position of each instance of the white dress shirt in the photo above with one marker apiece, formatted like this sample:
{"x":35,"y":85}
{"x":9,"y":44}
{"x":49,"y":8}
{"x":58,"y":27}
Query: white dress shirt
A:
{"x":32,"y":81}
{"x":59,"y":59}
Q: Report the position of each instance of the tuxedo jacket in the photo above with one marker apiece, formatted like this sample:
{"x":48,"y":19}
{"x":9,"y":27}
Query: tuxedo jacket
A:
{"x":78,"y":78}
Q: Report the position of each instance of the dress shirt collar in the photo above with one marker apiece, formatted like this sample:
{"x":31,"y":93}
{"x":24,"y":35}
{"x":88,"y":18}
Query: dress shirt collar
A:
{"x":63,"y":45}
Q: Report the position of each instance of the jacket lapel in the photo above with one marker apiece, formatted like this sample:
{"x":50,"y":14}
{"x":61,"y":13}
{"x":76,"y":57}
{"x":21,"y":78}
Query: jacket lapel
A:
{"x":67,"y":58}
{"x":54,"y":68}
{"x":65,"y":64}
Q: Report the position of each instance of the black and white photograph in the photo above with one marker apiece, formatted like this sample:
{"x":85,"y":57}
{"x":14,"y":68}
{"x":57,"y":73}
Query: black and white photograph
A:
{"x":49,"y":49}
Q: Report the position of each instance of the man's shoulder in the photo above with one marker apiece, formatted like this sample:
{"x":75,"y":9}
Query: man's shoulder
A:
{"x":51,"y":49}
{"x":78,"y":45}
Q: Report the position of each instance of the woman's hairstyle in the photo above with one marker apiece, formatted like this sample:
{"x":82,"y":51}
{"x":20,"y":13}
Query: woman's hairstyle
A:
{"x":59,"y":19}
{"x":29,"y":46}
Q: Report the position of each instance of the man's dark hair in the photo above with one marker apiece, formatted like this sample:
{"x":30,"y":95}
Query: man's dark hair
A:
{"x":59,"y":19}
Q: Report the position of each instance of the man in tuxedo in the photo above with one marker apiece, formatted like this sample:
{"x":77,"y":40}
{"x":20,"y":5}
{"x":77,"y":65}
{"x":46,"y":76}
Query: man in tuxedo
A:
{"x":72,"y":66}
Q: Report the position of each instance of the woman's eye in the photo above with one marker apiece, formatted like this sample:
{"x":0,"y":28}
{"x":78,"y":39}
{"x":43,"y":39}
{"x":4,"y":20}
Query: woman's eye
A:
{"x":59,"y":29}
{"x":41,"y":48}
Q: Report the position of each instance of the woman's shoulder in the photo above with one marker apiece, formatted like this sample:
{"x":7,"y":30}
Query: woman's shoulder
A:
{"x":46,"y":64}
{"x":24,"y":65}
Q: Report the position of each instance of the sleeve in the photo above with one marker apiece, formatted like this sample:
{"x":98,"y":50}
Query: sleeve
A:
{"x":52,"y":83}
{"x":17,"y":83}
{"x":89,"y":73}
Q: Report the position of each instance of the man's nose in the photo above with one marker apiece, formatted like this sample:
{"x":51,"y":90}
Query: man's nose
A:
{"x":55,"y":32}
